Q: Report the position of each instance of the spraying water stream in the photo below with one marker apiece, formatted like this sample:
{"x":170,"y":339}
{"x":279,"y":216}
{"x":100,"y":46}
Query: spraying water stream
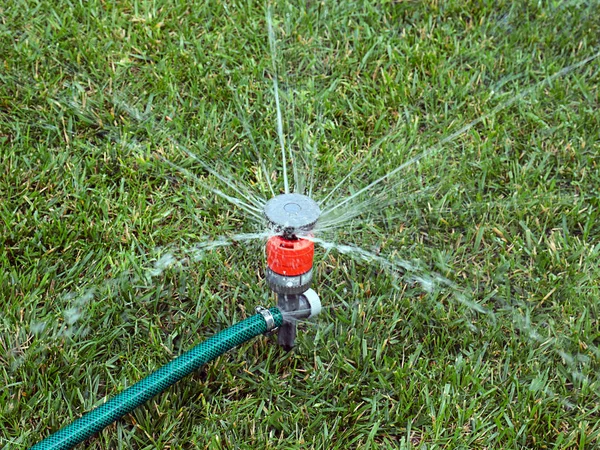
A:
{"x":351,"y":210}
{"x":353,"y":202}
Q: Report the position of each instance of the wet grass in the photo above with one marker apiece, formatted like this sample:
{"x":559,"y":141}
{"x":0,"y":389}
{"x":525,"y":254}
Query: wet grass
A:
{"x":94,"y":96}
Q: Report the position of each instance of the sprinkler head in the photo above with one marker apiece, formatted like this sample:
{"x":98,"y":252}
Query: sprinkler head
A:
{"x":292,"y":214}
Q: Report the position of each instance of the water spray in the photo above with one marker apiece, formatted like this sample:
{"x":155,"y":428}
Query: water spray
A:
{"x":290,"y":256}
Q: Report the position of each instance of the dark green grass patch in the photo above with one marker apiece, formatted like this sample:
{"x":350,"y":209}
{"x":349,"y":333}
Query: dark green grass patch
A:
{"x":119,"y":122}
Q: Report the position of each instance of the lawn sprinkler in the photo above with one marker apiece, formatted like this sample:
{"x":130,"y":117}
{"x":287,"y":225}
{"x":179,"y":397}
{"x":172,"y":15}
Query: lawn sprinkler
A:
{"x":289,"y":274}
{"x":290,"y":257}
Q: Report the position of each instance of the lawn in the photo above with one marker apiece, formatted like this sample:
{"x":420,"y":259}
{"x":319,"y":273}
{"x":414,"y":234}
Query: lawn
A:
{"x":455,"y":146}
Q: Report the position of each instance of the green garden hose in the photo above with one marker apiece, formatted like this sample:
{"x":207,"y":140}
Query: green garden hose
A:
{"x":155,"y":383}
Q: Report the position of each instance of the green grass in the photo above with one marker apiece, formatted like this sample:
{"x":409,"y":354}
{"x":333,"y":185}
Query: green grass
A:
{"x":503,"y":352}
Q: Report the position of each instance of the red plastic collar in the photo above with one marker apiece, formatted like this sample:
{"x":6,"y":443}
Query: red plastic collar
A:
{"x":290,"y":257}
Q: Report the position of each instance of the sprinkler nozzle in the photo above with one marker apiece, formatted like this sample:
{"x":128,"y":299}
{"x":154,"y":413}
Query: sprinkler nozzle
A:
{"x":292,"y":214}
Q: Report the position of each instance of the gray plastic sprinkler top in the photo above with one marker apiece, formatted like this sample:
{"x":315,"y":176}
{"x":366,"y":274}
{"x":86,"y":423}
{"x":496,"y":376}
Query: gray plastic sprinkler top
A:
{"x":292,"y":214}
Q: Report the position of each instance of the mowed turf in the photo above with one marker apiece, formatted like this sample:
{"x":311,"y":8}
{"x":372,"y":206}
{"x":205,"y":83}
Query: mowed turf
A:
{"x":114,"y":244}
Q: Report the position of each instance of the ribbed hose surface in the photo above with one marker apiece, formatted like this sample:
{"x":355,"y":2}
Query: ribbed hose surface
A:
{"x":155,"y":383}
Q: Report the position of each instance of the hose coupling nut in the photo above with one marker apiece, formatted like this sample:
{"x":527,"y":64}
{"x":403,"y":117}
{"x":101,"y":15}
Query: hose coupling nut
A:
{"x":269,"y":319}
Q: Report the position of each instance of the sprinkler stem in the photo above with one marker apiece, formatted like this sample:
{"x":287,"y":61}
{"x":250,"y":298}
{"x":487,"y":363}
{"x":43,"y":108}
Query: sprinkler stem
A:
{"x":286,"y":335}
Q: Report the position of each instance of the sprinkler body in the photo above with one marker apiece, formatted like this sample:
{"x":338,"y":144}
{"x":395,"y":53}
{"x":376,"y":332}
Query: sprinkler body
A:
{"x":290,"y":257}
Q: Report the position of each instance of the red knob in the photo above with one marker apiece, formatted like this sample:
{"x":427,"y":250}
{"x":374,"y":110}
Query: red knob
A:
{"x":290,"y":257}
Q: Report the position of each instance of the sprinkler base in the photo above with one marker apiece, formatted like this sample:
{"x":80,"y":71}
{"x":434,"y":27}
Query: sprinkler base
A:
{"x":294,"y":308}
